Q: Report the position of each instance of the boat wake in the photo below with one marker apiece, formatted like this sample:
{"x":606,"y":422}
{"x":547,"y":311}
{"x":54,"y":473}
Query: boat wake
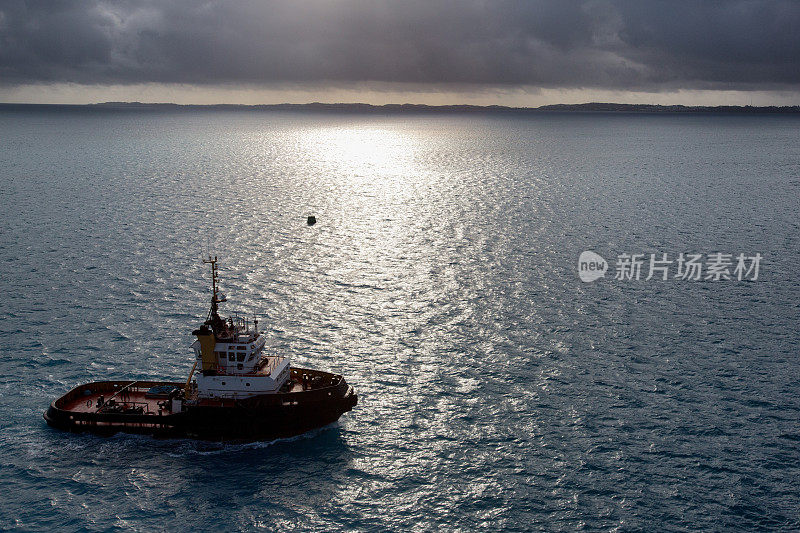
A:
{"x":195,"y":447}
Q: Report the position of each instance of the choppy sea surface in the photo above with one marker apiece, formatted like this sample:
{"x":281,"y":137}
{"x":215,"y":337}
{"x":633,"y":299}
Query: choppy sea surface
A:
{"x":496,"y":389}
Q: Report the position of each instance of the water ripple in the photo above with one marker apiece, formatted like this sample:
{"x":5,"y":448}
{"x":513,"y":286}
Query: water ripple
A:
{"x":496,"y":390}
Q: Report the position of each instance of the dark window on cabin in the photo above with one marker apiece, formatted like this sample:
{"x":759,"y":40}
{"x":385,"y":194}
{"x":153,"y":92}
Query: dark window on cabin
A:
{"x":240,"y":357}
{"x":231,"y":356}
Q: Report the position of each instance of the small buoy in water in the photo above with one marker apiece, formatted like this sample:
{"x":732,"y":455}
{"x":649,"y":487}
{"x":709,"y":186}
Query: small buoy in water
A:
{"x":311,"y":220}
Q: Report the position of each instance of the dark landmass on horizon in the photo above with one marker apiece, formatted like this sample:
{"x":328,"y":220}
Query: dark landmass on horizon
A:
{"x":421,"y":108}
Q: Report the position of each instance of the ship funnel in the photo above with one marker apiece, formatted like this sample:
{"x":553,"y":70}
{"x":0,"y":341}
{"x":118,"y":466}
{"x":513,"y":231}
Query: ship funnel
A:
{"x":207,"y":344}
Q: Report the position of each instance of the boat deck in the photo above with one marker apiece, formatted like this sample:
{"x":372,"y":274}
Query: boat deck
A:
{"x":133,"y":398}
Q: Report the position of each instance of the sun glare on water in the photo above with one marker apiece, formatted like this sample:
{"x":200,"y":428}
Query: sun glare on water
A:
{"x":380,"y":157}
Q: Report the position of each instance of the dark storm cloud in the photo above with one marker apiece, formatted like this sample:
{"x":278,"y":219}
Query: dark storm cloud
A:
{"x":644,"y":44}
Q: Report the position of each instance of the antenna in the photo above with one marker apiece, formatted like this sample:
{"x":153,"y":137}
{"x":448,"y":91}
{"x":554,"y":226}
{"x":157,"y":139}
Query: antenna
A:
{"x":215,"y":300}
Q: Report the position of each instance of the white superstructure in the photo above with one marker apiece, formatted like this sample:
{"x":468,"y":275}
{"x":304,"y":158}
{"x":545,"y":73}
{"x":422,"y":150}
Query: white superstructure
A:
{"x":232,"y":357}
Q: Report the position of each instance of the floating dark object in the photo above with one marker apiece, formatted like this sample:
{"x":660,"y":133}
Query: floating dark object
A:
{"x":311,"y":220}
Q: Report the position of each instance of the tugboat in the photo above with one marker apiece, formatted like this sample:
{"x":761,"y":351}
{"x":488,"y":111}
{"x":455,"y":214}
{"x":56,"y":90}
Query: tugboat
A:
{"x":240,"y":392}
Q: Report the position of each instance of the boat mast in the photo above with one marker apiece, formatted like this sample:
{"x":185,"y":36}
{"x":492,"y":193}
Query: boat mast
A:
{"x":213,"y":316}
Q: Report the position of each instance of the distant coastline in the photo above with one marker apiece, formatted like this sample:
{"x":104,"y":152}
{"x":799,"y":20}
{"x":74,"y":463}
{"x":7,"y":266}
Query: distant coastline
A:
{"x":418,"y":108}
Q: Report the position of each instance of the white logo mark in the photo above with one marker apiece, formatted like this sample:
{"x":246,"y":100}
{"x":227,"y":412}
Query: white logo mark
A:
{"x":591,"y":266}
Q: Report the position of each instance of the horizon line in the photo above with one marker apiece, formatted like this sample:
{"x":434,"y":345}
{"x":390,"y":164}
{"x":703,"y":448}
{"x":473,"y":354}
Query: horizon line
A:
{"x":586,"y":106}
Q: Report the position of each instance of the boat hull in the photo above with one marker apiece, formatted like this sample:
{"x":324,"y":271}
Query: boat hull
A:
{"x":265,"y":417}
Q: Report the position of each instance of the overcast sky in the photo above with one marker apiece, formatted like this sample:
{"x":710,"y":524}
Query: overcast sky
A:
{"x":516,"y":53}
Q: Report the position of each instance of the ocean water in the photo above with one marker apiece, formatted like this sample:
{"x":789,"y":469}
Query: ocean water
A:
{"x":496,"y":389}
